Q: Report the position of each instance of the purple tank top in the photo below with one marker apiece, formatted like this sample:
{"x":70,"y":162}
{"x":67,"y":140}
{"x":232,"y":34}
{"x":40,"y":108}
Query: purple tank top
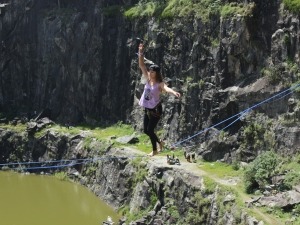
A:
{"x":151,"y":96}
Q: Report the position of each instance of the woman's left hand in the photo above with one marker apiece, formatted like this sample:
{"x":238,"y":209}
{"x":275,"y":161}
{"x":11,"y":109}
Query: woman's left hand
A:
{"x":177,"y":94}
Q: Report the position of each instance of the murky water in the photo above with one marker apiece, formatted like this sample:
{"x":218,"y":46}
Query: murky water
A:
{"x":44,"y":200}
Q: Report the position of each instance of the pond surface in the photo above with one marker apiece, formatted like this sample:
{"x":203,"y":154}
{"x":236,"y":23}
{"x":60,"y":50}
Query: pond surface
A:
{"x":45,"y":200}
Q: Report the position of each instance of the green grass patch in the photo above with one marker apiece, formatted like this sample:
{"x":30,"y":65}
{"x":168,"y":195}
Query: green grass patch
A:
{"x":219,"y":169}
{"x":203,"y":9}
{"x":40,"y":133}
{"x":64,"y":130}
{"x":233,"y":8}
{"x":17,"y":128}
{"x":92,"y":133}
{"x":187,"y":8}
{"x":174,"y":9}
{"x":143,"y":9}
{"x":87,"y":143}
{"x":144,"y":144}
{"x":61,"y":176}
{"x":116,"y":130}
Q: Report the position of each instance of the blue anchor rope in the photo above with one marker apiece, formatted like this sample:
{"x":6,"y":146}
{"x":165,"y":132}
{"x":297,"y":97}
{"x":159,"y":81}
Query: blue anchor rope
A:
{"x":47,"y":167}
{"x":41,"y":162}
{"x":289,"y":90}
{"x":82,"y":161}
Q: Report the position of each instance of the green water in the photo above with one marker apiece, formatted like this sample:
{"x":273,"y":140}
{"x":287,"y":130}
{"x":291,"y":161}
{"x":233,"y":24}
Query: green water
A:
{"x":44,"y":200}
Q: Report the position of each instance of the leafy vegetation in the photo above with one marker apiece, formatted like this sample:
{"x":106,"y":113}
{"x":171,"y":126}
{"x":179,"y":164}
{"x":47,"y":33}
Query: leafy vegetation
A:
{"x":252,"y":136}
{"x":199,"y":213}
{"x":277,"y":73}
{"x":273,"y":74}
{"x":90,"y":170}
{"x":202,"y":9}
{"x":173,"y":210}
{"x":125,"y":211}
{"x":292,"y":5}
{"x":292,"y":166}
{"x":260,"y":171}
{"x":252,"y":133}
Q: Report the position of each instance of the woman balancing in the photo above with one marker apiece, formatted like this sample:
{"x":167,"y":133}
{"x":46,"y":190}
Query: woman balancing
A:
{"x":150,"y":99}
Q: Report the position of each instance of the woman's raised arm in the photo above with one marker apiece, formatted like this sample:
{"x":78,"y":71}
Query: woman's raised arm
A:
{"x":141,"y":61}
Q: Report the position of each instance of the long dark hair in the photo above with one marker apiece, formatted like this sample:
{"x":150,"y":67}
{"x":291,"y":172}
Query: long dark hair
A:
{"x":159,"y":77}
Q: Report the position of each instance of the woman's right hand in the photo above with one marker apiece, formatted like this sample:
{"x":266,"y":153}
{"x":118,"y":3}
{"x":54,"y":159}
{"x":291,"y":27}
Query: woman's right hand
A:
{"x":141,"y":49}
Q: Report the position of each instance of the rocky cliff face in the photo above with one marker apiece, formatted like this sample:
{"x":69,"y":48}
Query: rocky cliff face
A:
{"x":67,"y":59}
{"x":74,"y":62}
{"x":224,"y":66}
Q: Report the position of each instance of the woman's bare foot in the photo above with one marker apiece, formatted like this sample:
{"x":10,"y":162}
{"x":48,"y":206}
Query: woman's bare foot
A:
{"x":153,"y":153}
{"x":161,"y":146}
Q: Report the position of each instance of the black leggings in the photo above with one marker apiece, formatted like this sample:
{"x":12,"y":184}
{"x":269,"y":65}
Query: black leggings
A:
{"x":151,"y":118}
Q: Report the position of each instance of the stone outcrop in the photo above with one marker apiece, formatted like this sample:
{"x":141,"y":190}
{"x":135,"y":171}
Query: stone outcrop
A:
{"x":281,"y":200}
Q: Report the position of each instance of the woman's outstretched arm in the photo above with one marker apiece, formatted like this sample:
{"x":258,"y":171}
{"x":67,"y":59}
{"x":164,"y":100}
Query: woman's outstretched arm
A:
{"x":141,"y":61}
{"x":165,"y":88}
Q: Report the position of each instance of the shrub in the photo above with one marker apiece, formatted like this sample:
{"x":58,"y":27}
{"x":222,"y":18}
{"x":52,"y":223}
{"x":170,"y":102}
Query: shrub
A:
{"x":260,"y":171}
{"x":292,"y":5}
{"x":253,"y":134}
{"x":291,"y":179}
